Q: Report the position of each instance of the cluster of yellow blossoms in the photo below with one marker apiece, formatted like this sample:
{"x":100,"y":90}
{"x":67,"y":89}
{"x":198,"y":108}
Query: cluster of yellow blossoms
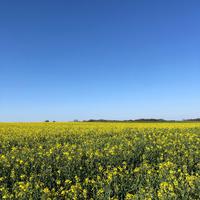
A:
{"x":100,"y":161}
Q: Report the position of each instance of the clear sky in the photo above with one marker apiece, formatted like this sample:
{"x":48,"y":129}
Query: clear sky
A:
{"x":113,"y":59}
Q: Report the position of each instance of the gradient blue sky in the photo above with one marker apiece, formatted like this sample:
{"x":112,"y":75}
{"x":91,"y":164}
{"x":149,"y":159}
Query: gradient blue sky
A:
{"x":112,"y":59}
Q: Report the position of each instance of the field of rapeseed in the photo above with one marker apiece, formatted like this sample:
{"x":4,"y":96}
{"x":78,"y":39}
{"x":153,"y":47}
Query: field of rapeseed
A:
{"x":99,"y":161}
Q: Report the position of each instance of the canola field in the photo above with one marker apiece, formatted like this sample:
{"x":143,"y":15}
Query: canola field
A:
{"x":100,"y":161}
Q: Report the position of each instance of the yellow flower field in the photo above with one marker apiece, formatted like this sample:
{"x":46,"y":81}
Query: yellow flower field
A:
{"x":99,"y":161}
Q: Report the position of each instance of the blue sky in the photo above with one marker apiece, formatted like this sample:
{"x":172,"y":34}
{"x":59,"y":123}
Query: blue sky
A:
{"x":112,"y":59}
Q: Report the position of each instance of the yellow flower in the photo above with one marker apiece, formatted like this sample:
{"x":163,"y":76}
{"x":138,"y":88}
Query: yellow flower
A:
{"x":46,"y":190}
{"x":100,"y":168}
{"x":67,"y":181}
{"x":137,"y":169}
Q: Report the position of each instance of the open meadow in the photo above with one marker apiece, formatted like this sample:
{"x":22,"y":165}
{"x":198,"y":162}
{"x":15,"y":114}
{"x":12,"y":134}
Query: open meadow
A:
{"x":99,"y":161}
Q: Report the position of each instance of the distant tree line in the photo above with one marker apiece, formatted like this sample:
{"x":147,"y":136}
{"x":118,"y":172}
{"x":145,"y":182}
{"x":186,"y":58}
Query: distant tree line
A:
{"x":136,"y":120}
{"x":130,"y":120}
{"x":143,"y":120}
{"x":193,"y":120}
